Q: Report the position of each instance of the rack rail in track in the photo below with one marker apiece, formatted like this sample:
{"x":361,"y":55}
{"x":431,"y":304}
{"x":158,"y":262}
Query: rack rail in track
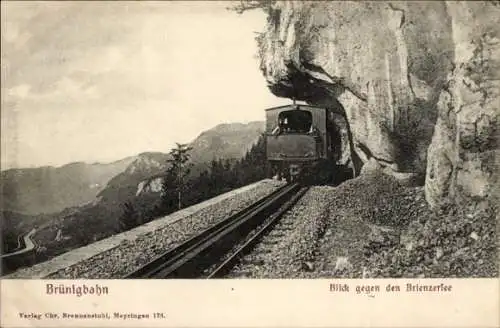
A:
{"x":191,"y":258}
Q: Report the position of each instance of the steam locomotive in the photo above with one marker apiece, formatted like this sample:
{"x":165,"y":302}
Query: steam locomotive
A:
{"x":302,"y":143}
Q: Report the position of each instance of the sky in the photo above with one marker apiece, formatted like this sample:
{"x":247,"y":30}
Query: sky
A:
{"x":100,"y":81}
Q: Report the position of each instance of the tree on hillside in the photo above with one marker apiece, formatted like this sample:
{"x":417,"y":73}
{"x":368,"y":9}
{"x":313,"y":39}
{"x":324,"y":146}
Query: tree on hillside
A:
{"x":253,"y":166}
{"x":9,"y":239}
{"x":216,"y":175}
{"x":178,"y":171}
{"x":130,"y":218}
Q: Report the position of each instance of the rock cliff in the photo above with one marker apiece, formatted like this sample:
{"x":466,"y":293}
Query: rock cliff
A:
{"x":417,"y":81}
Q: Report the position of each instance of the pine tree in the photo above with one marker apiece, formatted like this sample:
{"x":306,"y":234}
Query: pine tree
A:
{"x":178,"y":171}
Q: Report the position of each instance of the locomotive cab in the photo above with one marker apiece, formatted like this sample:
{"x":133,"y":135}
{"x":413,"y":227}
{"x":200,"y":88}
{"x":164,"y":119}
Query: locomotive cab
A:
{"x":296,"y":139}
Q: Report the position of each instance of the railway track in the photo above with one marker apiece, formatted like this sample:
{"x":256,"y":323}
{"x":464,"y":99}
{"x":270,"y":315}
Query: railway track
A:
{"x":213,"y":252}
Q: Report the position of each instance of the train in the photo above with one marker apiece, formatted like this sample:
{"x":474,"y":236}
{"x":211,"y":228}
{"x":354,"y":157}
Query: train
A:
{"x":305,"y":144}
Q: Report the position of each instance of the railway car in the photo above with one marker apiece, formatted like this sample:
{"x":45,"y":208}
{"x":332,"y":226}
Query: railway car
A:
{"x":302,"y":143}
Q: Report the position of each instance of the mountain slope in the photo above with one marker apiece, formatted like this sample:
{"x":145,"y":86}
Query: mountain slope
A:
{"x":124,"y":185}
{"x":226,"y":141}
{"x":51,"y":189}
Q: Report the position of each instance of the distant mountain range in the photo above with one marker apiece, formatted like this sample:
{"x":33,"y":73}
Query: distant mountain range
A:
{"x":51,"y":189}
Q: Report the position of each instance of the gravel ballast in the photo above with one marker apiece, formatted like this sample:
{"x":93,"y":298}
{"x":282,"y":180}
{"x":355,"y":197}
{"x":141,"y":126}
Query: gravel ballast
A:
{"x":374,"y":227}
{"x":381,"y":229}
{"x":288,"y":250}
{"x":131,"y":253}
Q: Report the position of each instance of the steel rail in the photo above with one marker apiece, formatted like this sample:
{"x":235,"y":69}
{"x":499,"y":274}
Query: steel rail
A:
{"x":192,"y":256}
{"x":229,"y":263}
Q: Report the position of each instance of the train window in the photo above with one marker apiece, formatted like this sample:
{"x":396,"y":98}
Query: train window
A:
{"x":295,"y":121}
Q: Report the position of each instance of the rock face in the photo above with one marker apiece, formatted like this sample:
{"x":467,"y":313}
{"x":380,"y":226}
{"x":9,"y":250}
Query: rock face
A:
{"x":388,"y":67}
{"x":149,"y":186}
{"x":463,"y":157}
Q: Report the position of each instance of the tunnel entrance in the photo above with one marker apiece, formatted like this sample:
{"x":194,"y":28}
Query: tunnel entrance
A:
{"x":346,"y":162}
{"x":300,"y":85}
